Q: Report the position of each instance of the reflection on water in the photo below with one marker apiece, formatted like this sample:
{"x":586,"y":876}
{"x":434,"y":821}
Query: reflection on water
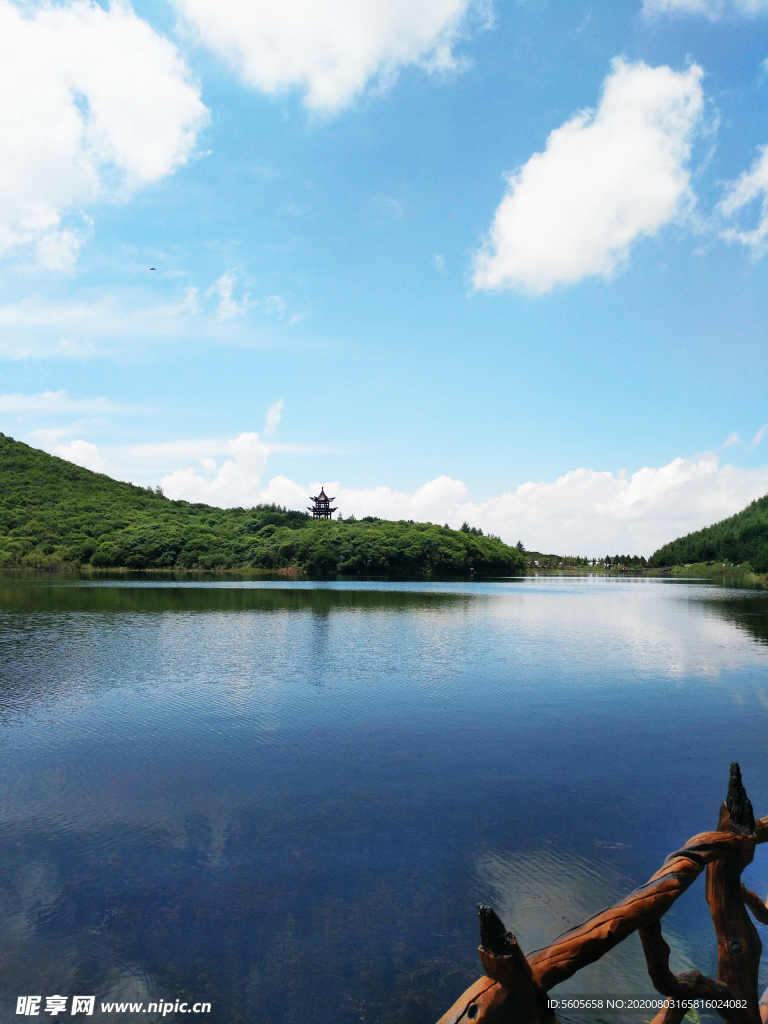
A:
{"x":286,"y":797}
{"x":551,"y":891}
{"x":44,"y":596}
{"x":746,"y":611}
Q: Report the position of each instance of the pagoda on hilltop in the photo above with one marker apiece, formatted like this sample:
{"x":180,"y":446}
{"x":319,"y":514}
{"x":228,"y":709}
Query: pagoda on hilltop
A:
{"x":321,"y":508}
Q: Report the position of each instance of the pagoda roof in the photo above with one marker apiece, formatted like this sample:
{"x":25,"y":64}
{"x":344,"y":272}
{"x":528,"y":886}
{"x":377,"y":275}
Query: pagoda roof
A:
{"x":322,"y":496}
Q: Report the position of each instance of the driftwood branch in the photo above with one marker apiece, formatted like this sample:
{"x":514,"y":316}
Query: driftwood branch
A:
{"x":686,"y":985}
{"x":515,"y":986}
{"x":504,"y":962}
{"x":588,"y":942}
{"x":755,"y":904}
{"x":738,"y":804}
{"x":738,"y":944}
{"x":508,"y":981}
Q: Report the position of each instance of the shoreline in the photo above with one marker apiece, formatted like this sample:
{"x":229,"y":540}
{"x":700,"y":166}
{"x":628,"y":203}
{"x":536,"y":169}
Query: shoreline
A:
{"x":715,"y":572}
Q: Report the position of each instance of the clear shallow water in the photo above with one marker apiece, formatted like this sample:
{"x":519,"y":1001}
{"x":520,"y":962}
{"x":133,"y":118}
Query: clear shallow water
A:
{"x":287,"y":798}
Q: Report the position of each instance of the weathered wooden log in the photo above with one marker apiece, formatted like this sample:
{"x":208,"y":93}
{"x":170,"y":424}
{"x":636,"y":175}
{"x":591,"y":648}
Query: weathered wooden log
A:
{"x":510,"y":974}
{"x":738,"y":804}
{"x":505,"y":962}
{"x":486,"y":1000}
{"x":755,"y":904}
{"x":583,"y":945}
{"x":738,"y":944}
{"x":687,"y":984}
{"x":515,"y":986}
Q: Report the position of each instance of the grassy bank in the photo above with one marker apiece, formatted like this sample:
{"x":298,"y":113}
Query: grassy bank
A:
{"x":713,"y":570}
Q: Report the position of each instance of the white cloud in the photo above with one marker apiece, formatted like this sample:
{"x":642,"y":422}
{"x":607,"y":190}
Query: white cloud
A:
{"x":274,"y":413}
{"x":759,"y":436}
{"x":593,"y":512}
{"x":234,"y":484}
{"x":329,"y":49}
{"x":606,"y":178}
{"x":751,"y":185}
{"x":228,"y":307}
{"x":146,"y":463}
{"x":54,"y":403}
{"x":82,"y":453}
{"x":277,"y":304}
{"x":282,"y":491}
{"x":96,"y":104}
{"x":58,"y":250}
{"x":712,"y":9}
{"x":435,"y":501}
{"x":124,"y":319}
{"x":118,"y":321}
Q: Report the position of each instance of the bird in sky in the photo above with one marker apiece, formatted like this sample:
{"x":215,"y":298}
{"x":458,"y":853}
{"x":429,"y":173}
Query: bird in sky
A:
{"x":151,"y":268}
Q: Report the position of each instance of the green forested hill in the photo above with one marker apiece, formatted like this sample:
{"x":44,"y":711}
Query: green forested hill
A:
{"x":54,"y":515}
{"x":741,"y":538}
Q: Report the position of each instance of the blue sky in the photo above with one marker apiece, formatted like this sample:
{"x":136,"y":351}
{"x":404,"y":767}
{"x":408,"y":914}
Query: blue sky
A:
{"x":499,"y":261}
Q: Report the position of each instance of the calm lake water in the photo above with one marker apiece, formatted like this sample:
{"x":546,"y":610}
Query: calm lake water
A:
{"x":287,"y":798}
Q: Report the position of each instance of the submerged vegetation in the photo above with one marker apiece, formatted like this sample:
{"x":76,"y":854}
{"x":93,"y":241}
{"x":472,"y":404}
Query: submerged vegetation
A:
{"x":740,"y":539}
{"x":55,"y":515}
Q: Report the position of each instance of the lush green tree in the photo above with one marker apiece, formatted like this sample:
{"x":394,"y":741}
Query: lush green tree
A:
{"x":55,"y":515}
{"x":738,"y":539}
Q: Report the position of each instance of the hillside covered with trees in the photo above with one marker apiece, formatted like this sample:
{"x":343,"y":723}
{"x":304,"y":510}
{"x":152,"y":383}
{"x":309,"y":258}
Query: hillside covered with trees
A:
{"x":55,"y":515}
{"x":739,"y":539}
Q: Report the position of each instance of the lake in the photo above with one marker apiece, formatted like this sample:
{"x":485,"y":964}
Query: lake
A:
{"x":287,"y":797}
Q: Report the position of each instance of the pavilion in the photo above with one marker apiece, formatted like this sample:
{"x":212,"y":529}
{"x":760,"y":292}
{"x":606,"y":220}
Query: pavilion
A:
{"x":322,"y":506}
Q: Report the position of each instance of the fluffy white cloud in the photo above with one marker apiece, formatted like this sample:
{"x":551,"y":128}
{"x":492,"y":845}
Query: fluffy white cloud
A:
{"x":712,"y":9}
{"x":229,"y":307}
{"x":59,"y":249}
{"x":607,"y":177}
{"x":330,"y":49}
{"x":95,"y":104}
{"x":439,"y":500}
{"x":82,"y":453}
{"x":235,"y":482}
{"x":595,"y":512}
{"x":751,"y":185}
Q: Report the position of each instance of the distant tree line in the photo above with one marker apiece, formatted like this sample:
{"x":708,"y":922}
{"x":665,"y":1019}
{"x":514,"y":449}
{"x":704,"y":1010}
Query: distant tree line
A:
{"x":537,"y":559}
{"x":740,"y":538}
